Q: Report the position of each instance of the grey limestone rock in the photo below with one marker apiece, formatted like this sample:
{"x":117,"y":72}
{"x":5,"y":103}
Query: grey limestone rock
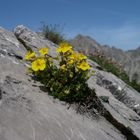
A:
{"x":28,"y":113}
{"x":33,"y":40}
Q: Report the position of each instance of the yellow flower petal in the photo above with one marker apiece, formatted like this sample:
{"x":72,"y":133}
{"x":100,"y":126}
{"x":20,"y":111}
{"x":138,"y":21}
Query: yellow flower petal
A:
{"x":78,"y":56}
{"x":39,"y":64}
{"x":63,"y":67}
{"x":34,"y":66}
{"x":70,"y":62}
{"x":82,"y":56}
{"x":74,"y":56}
{"x":42,"y":67}
{"x":30,"y":55}
{"x":64,"y":47}
{"x":83,"y":66}
{"x":43,"y":51}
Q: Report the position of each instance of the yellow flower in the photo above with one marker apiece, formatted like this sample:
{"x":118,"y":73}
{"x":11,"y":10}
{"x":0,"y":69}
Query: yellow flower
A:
{"x":74,"y":56}
{"x":39,"y":64}
{"x":77,"y":56}
{"x":43,"y":51}
{"x":30,"y":55}
{"x":70,"y":62}
{"x":83,"y":66}
{"x":63,"y":67}
{"x":64,"y":47}
{"x":81,"y":56}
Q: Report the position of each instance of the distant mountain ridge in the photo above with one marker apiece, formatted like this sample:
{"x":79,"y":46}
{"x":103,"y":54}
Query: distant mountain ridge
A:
{"x":130,"y":60}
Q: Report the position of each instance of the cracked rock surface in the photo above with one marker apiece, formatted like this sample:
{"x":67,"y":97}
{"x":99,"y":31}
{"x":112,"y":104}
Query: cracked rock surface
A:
{"x":28,"y":113}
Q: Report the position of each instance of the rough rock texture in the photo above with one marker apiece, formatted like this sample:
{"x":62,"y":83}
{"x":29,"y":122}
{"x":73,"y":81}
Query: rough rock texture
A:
{"x":33,"y":40}
{"x":28,"y":113}
{"x":120,"y":90}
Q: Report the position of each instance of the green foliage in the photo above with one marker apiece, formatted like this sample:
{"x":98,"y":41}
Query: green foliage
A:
{"x":115,"y":69}
{"x":63,"y":86}
{"x":53,"y":33}
{"x":67,"y":81}
{"x":109,"y":66}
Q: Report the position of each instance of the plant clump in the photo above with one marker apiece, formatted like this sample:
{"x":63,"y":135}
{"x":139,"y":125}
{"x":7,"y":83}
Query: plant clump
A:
{"x":66,"y":81}
{"x":53,"y":33}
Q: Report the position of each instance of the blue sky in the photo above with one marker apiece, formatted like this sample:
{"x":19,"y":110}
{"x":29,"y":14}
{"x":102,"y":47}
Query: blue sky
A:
{"x":112,"y":22}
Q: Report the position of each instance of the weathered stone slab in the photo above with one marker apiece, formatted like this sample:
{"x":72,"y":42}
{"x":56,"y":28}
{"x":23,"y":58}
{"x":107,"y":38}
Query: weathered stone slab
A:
{"x":28,"y":113}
